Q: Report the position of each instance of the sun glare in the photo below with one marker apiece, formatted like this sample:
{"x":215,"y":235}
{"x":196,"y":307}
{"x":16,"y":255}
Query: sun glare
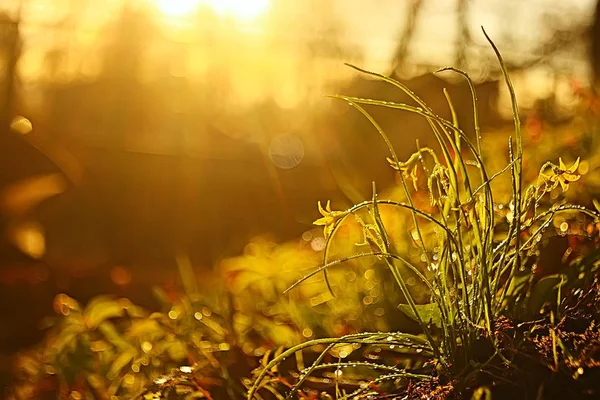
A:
{"x":242,"y":9}
{"x":177,"y":8}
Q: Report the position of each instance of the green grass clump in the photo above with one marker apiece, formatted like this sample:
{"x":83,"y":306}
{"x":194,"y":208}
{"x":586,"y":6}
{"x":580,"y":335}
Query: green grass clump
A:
{"x":479,"y":267}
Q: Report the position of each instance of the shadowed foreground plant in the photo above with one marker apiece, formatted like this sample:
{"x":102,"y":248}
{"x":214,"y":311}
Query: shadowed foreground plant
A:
{"x":112,"y":348}
{"x":478,"y":276}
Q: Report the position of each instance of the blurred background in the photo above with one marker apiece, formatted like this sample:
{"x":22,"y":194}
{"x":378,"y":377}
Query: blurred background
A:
{"x":135,"y":133}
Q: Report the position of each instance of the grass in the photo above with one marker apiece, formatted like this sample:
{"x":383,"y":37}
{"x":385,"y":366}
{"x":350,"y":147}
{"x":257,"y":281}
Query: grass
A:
{"x":475,"y":281}
{"x":464,"y":277}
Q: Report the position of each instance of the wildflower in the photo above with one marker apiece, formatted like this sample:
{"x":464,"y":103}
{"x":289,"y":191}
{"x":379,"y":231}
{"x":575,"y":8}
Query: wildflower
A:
{"x":563,"y":175}
{"x":438,"y":184}
{"x":371,"y":235}
{"x":328,"y":219}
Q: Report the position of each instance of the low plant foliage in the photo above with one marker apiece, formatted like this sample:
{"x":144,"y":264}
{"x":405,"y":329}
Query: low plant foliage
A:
{"x":476,"y":274}
{"x":448,"y":275}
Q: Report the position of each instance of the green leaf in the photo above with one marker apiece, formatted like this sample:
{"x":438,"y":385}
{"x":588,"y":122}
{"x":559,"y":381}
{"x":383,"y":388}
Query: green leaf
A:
{"x":482,"y":393}
{"x":544,"y":291}
{"x":429,"y":313}
{"x":176,"y":350}
{"x":67,"y":337}
{"x":120,"y":362}
{"x":145,"y":327}
{"x":113,"y":335}
{"x":100,"y":309}
{"x":515,"y":287}
{"x":596,"y":204}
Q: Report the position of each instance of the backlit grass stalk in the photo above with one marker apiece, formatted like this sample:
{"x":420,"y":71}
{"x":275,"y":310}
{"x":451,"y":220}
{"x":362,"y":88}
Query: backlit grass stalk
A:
{"x":470,"y":283}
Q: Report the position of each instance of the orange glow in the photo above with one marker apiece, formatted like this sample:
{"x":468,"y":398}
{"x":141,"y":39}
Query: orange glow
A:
{"x":120,"y":275}
{"x":242,"y":9}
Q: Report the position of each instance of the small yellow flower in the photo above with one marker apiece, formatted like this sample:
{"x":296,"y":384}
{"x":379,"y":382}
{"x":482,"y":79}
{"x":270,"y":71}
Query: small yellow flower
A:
{"x":405,"y":167}
{"x":329,"y":218}
{"x":563,"y":175}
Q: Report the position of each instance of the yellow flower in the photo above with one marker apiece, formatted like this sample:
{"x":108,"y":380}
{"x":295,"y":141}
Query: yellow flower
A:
{"x":563,"y":175}
{"x":404,"y":168}
{"x":329,"y":218}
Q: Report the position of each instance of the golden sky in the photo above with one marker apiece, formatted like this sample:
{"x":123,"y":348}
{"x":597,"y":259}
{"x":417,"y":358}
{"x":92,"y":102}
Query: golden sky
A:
{"x":261,"y":45}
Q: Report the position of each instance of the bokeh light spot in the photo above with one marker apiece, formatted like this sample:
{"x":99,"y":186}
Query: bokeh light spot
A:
{"x":146,"y":346}
{"x":30,"y":239}
{"x":318,"y":244}
{"x":286,"y":151}
{"x":21,"y":125}
{"x":120,"y":276}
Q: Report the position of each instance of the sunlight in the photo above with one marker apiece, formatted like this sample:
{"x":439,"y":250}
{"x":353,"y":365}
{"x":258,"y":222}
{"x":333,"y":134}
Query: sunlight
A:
{"x":242,"y":9}
{"x":177,"y":8}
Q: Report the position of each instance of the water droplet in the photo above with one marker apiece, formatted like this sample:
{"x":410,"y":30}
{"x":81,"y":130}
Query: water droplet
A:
{"x":160,"y":381}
